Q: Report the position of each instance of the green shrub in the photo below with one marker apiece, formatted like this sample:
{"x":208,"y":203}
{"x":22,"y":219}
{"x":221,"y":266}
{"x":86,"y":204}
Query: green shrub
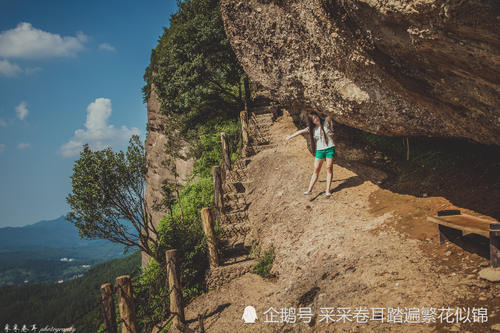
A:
{"x":206,"y":148}
{"x":264,"y":263}
{"x":151,"y":296}
{"x":182,"y":230}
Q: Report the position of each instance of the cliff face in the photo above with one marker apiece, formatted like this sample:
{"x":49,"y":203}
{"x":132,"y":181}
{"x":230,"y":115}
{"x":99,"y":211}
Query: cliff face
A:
{"x":157,"y":174}
{"x":391,"y":67}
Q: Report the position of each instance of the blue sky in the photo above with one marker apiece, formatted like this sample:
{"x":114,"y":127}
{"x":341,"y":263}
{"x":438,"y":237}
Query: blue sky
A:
{"x":70,"y":72}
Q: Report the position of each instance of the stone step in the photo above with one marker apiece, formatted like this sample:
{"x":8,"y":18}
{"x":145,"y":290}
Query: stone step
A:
{"x":263,"y":115}
{"x":234,"y":234}
{"x":266,"y":117}
{"x":241,"y":164}
{"x":261,"y":121}
{"x":265,"y":120}
{"x":236,"y":216}
{"x":260,"y":124}
{"x":262,"y":128}
{"x":260,"y":134}
{"x":235,"y":207}
{"x":261,"y":140}
{"x":234,"y":197}
{"x":259,"y":131}
{"x":235,"y":178}
{"x":233,"y":219}
{"x":264,"y":109}
{"x":236,"y":187}
{"x":218,"y":276}
{"x":262,"y":118}
{"x":232,"y":228}
{"x":259,"y":128}
{"x":237,"y":175}
{"x":235,"y":204}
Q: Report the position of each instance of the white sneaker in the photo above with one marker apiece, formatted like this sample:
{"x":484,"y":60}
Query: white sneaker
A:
{"x":306,"y":193}
{"x":328,"y":194}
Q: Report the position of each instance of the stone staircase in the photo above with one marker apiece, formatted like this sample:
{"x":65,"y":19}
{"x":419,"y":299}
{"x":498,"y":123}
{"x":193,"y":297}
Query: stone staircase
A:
{"x":235,"y":260}
{"x":259,"y":128}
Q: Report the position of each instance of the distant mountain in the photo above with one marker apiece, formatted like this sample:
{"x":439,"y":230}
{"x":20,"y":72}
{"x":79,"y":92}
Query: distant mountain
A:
{"x":58,"y":233}
{"x":50,"y":251}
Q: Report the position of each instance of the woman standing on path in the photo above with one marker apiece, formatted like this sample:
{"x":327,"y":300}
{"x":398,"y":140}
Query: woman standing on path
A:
{"x":321,"y":134}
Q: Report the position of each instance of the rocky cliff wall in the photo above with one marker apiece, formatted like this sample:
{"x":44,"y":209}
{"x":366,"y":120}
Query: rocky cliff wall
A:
{"x":157,"y":174}
{"x":391,"y":67}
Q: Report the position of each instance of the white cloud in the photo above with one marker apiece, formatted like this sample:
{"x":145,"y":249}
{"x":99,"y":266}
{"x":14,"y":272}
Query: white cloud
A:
{"x":32,"y":70}
{"x":25,"y":41}
{"x":22,"y":110}
{"x":23,"y":145}
{"x":97,"y":133}
{"x":9,"y":69}
{"x":2,"y":147}
{"x":106,"y":47}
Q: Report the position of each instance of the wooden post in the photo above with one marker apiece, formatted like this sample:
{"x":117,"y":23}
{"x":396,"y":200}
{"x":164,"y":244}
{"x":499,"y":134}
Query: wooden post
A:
{"x":108,"y":308}
{"x":244,"y":132}
{"x":226,"y":159}
{"x":495,"y":245}
{"x":126,"y":304}
{"x":218,"y":192}
{"x":176,"y":307}
{"x":208,"y":228}
{"x":246,"y":84}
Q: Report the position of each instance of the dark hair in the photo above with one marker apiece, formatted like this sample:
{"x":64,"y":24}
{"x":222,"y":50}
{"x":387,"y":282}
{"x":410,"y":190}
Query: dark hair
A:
{"x":311,"y":126}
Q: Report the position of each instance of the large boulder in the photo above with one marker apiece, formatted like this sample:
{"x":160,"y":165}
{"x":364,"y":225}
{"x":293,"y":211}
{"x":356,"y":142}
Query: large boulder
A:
{"x":391,"y":67}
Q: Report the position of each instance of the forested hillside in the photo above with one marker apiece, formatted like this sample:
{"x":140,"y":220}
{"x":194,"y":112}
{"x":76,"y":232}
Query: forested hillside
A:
{"x":74,"y":302}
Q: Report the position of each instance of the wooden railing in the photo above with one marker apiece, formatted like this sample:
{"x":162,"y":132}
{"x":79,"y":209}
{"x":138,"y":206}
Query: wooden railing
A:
{"x":125,"y":305}
{"x":123,"y":283}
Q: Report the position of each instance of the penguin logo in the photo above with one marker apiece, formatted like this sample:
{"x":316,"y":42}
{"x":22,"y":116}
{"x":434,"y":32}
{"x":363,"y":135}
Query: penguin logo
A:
{"x":249,"y":315}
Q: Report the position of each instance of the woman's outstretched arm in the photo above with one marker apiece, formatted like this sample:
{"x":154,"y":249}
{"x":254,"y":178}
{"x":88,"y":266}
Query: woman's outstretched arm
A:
{"x":329,"y":121}
{"x":305,"y":130}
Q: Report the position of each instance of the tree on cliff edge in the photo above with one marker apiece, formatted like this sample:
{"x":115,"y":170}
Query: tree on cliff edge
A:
{"x":193,"y":66}
{"x":108,"y":189}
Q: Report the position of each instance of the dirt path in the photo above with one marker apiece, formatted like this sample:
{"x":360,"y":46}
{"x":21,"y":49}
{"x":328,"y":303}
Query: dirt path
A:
{"x":363,"y":247}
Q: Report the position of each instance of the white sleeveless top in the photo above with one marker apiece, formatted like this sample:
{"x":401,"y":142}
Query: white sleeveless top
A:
{"x":320,"y":142}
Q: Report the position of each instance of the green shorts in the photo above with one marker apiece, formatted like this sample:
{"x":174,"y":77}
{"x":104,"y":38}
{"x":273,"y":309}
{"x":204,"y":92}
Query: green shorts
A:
{"x":328,"y":153}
